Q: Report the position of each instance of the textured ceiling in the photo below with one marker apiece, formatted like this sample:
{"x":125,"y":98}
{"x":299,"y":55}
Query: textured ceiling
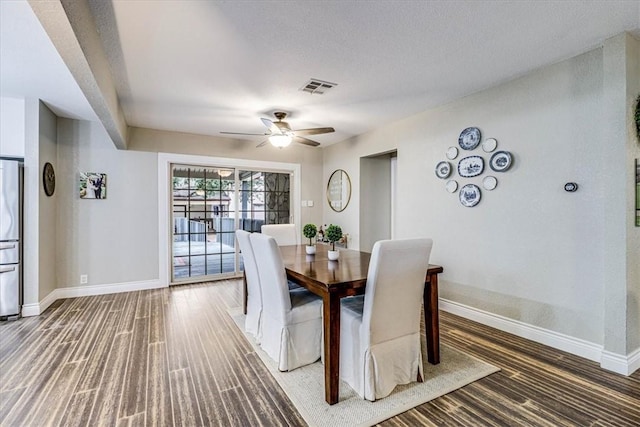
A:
{"x":209,"y":66}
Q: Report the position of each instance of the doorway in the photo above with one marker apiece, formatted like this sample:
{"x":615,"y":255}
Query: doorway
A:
{"x":377,"y":198}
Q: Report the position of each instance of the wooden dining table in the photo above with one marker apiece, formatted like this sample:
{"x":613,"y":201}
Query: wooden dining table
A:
{"x":333,"y":280}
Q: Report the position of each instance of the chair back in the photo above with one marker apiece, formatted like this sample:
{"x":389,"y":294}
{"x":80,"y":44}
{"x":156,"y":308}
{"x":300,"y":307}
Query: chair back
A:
{"x":395,"y":286}
{"x":254,"y":294}
{"x":285,"y":234}
{"x":276,"y":301}
{"x":249,"y":260}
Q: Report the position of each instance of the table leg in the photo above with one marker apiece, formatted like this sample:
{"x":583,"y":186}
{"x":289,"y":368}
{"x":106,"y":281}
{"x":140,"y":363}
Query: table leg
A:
{"x":431,"y":319}
{"x":244,"y":293}
{"x":331,"y":308}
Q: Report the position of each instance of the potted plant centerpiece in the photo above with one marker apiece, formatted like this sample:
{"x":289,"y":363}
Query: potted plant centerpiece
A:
{"x":310,"y":231}
{"x":333,"y":233}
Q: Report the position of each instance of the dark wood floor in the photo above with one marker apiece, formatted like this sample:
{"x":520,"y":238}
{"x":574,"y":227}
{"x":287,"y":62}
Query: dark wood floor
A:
{"x":173,"y":357}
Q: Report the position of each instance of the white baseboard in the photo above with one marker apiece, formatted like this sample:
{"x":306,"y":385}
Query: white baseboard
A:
{"x":82,"y":291}
{"x":624,"y":365}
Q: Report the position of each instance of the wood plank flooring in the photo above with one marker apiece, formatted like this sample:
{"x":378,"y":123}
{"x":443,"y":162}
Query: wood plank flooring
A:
{"x":172,"y":357}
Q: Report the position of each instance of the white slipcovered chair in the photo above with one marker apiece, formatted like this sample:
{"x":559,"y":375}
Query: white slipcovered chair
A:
{"x":285,"y":234}
{"x":291,"y":321}
{"x":380,"y":330}
{"x":254,"y":297}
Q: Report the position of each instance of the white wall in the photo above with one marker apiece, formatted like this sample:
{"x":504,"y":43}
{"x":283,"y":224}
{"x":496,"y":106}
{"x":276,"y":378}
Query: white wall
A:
{"x":12,"y":136}
{"x":529,"y":251}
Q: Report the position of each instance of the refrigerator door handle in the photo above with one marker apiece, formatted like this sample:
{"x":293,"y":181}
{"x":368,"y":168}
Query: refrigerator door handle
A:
{"x":7,"y":269}
{"x":7,"y":246}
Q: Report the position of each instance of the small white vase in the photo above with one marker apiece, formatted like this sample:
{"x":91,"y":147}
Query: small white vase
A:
{"x":333,"y":255}
{"x":310,"y":249}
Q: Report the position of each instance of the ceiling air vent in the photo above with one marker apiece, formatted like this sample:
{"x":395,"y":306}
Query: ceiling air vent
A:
{"x":316,"y":86}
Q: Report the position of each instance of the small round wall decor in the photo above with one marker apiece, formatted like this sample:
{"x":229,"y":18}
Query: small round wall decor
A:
{"x":500,"y":161}
{"x":469,"y":138}
{"x":470,"y":195}
{"x":489,"y":145}
{"x":489,"y":182}
{"x":452,"y":186}
{"x":452,"y":153}
{"x":443,"y":170}
{"x":48,"y":179}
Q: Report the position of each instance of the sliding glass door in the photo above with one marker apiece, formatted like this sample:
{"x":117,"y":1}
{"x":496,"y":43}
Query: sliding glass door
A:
{"x":209,"y":204}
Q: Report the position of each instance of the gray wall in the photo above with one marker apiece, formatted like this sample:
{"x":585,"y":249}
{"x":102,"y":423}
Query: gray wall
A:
{"x":113,"y":240}
{"x":375,"y":200}
{"x":48,"y":206}
{"x":529,"y":251}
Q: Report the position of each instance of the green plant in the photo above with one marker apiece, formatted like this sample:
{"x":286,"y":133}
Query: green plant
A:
{"x":310,"y":231}
{"x":333,"y":233}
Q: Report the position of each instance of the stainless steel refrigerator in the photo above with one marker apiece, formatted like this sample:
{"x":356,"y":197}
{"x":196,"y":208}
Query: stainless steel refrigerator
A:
{"x":10,"y":238}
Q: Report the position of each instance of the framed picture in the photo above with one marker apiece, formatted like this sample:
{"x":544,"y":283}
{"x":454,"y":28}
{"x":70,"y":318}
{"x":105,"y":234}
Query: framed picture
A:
{"x":637,"y":192}
{"x":93,"y":185}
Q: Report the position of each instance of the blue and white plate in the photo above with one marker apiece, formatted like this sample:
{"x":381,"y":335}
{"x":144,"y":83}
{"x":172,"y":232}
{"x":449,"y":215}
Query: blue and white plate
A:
{"x":469,"y":138}
{"x":470,"y":195}
{"x":470,"y":166}
{"x":501,"y":161}
{"x":443,"y":170}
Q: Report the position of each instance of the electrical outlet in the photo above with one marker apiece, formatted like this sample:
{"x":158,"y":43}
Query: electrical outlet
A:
{"x":84,"y":279}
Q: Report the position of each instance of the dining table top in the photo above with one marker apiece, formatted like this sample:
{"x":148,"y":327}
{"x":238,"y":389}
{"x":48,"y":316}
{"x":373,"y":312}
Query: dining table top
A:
{"x":350,"y":269}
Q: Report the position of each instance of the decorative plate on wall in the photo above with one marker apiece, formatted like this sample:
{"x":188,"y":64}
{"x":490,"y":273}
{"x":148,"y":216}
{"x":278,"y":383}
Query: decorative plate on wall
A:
{"x":500,"y":161}
{"x":443,"y":170}
{"x":469,"y":138}
{"x":489,"y":182}
{"x":452,"y":186}
{"x":48,"y":179}
{"x":489,"y":145}
{"x":470,"y":195}
{"x":470,"y":166}
{"x":452,"y":153}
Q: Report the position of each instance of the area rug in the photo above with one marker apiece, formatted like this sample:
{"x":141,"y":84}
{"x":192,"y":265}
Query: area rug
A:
{"x":305,"y":387}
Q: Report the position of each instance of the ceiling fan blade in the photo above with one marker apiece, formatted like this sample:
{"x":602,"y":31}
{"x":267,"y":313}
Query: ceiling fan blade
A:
{"x":270,"y":125}
{"x":240,"y":133}
{"x":262,"y":143}
{"x":305,"y":141}
{"x":314,"y":131}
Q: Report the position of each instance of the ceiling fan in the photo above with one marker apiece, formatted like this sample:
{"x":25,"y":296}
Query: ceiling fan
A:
{"x":280,"y":134}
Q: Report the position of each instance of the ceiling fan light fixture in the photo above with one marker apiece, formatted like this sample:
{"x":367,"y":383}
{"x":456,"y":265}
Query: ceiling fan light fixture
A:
{"x":280,"y":141}
{"x":224,"y":172}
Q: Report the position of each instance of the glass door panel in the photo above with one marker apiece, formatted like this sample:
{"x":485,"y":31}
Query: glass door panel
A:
{"x":209,"y":204}
{"x":201,"y":201}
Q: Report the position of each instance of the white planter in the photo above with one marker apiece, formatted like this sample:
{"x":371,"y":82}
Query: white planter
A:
{"x":310,"y":249}
{"x":333,"y":255}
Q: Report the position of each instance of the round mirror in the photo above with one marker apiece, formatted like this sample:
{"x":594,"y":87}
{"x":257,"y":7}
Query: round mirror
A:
{"x":339,"y":190}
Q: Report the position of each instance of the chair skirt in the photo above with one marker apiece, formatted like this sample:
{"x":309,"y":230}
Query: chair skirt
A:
{"x":373,"y":371}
